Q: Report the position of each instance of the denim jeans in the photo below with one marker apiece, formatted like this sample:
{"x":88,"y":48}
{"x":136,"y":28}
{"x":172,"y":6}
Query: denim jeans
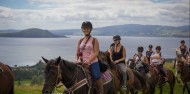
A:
{"x":95,"y":70}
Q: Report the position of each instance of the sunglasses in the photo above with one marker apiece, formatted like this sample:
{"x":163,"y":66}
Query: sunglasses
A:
{"x":115,"y":40}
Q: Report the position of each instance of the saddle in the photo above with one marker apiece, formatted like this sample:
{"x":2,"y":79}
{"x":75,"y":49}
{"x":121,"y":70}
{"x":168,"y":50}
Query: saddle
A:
{"x":155,"y":69}
{"x":105,"y":76}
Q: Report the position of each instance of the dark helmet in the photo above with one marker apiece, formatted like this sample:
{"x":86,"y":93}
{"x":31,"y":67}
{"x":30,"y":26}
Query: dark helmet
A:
{"x":158,"y":48}
{"x":140,"y":49}
{"x":116,"y":37}
{"x":87,"y":24}
{"x":150,"y":46}
{"x":182,"y":41}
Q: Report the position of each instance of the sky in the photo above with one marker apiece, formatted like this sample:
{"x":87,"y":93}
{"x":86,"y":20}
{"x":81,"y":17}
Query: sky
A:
{"x":69,"y":14}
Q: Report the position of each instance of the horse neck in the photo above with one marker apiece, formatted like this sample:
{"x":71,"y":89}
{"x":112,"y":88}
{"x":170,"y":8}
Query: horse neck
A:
{"x":71,"y":77}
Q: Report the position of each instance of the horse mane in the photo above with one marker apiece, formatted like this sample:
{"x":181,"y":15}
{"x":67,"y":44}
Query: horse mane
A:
{"x":9,"y":67}
{"x":108,"y":57}
{"x":139,"y":77}
{"x":70,"y":65}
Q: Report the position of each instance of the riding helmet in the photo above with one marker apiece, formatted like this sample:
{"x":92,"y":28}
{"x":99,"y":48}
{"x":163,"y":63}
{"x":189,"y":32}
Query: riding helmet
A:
{"x":116,"y":37}
{"x":140,"y":49}
{"x":87,"y":24}
{"x":158,"y":47}
{"x":150,"y":46}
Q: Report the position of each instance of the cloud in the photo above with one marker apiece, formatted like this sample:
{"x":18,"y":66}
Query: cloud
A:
{"x":60,"y":14}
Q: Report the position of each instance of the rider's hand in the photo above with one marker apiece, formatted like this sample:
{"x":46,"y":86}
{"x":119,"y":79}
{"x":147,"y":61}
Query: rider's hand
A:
{"x":117,"y":61}
{"x":85,"y":64}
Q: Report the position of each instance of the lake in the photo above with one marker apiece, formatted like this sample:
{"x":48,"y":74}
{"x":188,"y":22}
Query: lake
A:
{"x":28,"y":51}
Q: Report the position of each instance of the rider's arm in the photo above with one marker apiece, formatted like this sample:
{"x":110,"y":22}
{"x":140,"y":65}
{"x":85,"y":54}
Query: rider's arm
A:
{"x":77,"y":50}
{"x":111,"y":53}
{"x":134,"y":58}
{"x":146,"y":60}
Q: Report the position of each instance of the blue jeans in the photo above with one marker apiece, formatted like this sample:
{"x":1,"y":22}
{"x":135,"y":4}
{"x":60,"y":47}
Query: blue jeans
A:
{"x":95,"y":70}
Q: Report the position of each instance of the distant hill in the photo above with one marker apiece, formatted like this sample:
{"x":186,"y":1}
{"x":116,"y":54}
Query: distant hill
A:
{"x":8,"y":31}
{"x":31,"y":33}
{"x":124,"y":30}
{"x":133,"y":30}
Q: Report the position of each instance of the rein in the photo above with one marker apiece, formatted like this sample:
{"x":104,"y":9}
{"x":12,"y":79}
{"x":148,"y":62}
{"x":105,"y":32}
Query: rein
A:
{"x":77,"y":85}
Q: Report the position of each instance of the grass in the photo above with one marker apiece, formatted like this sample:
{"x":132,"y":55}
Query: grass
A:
{"x":26,"y":88}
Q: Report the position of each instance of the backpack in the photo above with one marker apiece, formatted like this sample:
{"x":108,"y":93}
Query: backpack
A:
{"x":103,"y":66}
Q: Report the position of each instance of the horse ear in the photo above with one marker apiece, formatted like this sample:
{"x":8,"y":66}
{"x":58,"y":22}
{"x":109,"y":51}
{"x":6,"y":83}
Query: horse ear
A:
{"x":58,"y":60}
{"x":46,"y":61}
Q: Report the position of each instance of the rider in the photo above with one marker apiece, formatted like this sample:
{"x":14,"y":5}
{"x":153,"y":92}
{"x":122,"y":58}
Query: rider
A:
{"x":87,"y":51}
{"x":188,"y":57}
{"x":118,"y":56}
{"x":183,"y":48}
{"x":157,"y":60}
{"x":149,"y":53}
{"x":140,"y":61}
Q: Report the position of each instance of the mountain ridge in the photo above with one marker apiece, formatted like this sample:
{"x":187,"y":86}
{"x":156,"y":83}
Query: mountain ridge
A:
{"x":123,"y":30}
{"x":31,"y":33}
{"x":133,"y":30}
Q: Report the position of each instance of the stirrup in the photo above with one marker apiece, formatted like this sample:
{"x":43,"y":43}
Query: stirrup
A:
{"x":124,"y":88}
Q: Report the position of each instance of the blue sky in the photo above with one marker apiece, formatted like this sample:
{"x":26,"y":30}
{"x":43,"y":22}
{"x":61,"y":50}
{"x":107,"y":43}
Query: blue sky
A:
{"x":69,"y":14}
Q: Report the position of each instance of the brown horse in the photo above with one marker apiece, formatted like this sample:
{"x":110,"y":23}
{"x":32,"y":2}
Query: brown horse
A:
{"x":158,"y":79}
{"x":135,"y":81}
{"x":155,"y":78}
{"x":6,"y":80}
{"x":183,"y":70}
{"x":74,"y":78}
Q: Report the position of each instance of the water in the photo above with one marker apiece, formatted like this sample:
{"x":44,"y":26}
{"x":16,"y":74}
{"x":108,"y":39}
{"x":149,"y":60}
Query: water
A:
{"x":28,"y":51}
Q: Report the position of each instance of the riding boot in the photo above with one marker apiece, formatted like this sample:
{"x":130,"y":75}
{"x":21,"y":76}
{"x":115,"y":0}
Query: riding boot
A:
{"x":99,"y":85}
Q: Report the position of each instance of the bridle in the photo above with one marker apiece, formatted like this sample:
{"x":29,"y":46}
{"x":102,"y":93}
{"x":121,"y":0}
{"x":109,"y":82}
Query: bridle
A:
{"x":57,"y":78}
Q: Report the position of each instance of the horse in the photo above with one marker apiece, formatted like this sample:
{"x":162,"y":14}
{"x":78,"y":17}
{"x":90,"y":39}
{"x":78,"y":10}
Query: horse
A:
{"x":183,"y":70}
{"x":74,"y":77}
{"x":135,"y":81}
{"x":6,"y":79}
{"x":158,"y":79}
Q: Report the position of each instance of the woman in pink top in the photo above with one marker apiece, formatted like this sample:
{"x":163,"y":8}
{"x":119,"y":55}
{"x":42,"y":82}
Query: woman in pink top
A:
{"x":87,"y":51}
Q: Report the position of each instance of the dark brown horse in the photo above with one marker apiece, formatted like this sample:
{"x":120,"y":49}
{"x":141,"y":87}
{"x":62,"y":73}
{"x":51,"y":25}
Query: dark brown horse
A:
{"x":183,"y":70}
{"x":73,"y":77}
{"x":6,"y":80}
{"x":157,"y":79}
{"x":135,"y":81}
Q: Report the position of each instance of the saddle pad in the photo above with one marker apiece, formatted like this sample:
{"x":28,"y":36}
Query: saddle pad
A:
{"x":106,"y":77}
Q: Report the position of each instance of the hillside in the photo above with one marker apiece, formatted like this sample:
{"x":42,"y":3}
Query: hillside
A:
{"x":31,"y":33}
{"x":133,"y":30}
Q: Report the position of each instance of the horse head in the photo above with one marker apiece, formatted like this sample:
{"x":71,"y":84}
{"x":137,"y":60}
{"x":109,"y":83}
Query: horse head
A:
{"x":52,"y":74}
{"x":179,"y":53}
{"x":104,"y":57}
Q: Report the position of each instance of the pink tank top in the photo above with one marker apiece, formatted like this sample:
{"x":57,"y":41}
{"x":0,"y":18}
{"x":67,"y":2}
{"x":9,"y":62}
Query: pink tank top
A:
{"x":88,"y":50}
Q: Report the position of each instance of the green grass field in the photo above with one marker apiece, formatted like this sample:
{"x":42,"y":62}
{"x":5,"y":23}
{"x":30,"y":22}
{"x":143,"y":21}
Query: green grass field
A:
{"x":26,"y":88}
